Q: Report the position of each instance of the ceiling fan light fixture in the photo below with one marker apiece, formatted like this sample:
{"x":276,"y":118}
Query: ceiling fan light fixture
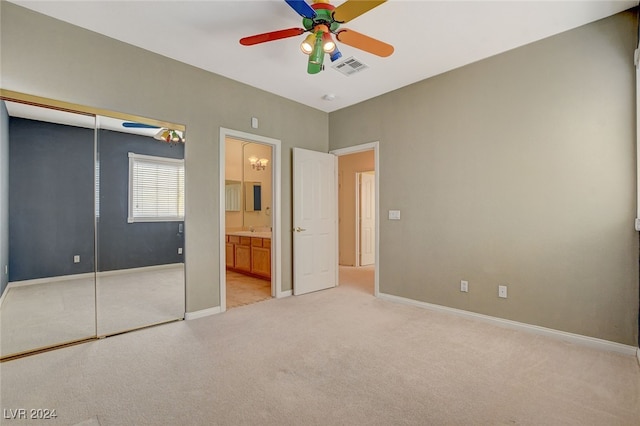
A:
{"x":328,"y":45}
{"x":163,"y":135}
{"x":317,"y":56}
{"x":308,"y":43}
{"x":313,"y":68}
{"x":335,"y":55}
{"x":169,"y":135}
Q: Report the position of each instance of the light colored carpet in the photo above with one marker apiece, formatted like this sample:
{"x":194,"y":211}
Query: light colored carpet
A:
{"x":334,"y":357}
{"x":52,"y":313}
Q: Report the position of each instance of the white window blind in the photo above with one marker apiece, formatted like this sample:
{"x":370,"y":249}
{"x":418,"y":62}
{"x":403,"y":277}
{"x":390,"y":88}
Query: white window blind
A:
{"x":156,"y":189}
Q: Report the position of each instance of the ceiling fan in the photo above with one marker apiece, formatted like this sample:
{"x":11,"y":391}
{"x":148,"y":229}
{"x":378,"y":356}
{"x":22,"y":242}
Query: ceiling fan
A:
{"x":321,"y":20}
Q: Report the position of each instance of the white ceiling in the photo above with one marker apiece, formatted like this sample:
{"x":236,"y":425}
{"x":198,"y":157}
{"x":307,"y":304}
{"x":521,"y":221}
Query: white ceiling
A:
{"x":430,"y":37}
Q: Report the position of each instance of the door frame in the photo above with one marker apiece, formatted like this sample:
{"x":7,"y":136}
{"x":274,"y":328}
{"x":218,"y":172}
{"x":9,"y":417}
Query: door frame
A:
{"x":276,"y":214}
{"x":375,"y":146}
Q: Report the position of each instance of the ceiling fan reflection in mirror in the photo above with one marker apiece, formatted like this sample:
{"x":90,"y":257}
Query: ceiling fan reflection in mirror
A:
{"x":321,"y":19}
{"x":163,"y":134}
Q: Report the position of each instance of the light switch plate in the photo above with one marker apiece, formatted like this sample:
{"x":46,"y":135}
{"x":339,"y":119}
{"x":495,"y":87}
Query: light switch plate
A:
{"x":76,"y":258}
{"x":394,"y":214}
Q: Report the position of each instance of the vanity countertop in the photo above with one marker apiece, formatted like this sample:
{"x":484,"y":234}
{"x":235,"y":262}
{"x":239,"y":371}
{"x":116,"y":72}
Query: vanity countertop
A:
{"x":256,"y":234}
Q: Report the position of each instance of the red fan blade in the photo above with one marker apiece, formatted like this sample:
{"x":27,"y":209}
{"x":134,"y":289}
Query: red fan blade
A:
{"x":366,"y":43}
{"x":351,"y":9}
{"x":274,"y":35}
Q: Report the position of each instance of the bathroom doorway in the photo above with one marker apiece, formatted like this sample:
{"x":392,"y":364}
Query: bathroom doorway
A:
{"x":249,"y":219}
{"x":358,"y":218}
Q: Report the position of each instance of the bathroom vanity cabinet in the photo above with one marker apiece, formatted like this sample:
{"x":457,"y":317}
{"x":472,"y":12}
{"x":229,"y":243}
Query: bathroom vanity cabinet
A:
{"x":249,"y":255}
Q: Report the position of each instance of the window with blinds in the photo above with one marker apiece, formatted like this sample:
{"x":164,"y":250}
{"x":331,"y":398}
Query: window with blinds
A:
{"x":156,"y":189}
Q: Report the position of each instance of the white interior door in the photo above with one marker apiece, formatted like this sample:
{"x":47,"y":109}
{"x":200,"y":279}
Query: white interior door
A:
{"x":367,"y":219}
{"x":314,"y":221}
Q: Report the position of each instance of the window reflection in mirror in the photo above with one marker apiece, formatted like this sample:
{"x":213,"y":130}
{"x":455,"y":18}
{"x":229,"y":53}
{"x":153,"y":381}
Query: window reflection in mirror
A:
{"x":233,"y":198}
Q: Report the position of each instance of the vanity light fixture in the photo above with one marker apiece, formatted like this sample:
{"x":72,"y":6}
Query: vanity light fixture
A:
{"x":258,"y":164}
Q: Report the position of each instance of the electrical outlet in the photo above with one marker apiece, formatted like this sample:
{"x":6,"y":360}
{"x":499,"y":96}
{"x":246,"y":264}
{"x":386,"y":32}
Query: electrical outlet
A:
{"x":464,"y":286}
{"x":502,"y":291}
{"x":76,"y":258}
{"x":179,"y":250}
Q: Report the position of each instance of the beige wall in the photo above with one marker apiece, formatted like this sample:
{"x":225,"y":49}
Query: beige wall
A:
{"x":348,"y":166}
{"x":46,"y":57}
{"x":516,"y":170}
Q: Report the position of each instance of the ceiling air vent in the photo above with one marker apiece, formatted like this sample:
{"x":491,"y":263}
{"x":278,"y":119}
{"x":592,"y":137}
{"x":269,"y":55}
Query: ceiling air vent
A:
{"x":350,"y":66}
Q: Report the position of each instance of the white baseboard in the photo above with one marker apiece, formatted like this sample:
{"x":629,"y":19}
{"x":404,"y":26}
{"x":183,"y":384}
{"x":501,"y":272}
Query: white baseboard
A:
{"x":47,"y":280}
{"x":285,"y":293}
{"x":6,"y":290}
{"x":92,"y":275}
{"x":140,"y":269}
{"x":202,"y":313}
{"x":549,"y":332}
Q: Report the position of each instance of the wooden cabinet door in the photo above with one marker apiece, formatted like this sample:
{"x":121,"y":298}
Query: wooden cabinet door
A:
{"x":261,"y":261}
{"x":243,"y":258}
{"x":230,"y":255}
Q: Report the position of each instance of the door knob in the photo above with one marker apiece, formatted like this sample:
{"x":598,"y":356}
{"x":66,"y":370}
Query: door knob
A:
{"x":298,"y":229}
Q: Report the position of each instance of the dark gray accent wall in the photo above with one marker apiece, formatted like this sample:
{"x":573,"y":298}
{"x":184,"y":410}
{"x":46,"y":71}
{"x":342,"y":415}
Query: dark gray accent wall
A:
{"x":50,"y":199}
{"x":124,"y":245}
{"x":4,"y":196}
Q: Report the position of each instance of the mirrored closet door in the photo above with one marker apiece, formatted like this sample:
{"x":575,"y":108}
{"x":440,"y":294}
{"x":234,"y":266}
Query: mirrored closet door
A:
{"x":140,"y":226}
{"x":48,"y":293}
{"x":92,"y":226}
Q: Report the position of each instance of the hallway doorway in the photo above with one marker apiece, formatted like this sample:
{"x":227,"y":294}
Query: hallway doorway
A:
{"x":358,"y":218}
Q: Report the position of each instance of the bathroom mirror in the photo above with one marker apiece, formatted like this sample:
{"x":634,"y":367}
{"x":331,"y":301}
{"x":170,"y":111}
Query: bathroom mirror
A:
{"x":253,"y":196}
{"x":232,"y":195}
